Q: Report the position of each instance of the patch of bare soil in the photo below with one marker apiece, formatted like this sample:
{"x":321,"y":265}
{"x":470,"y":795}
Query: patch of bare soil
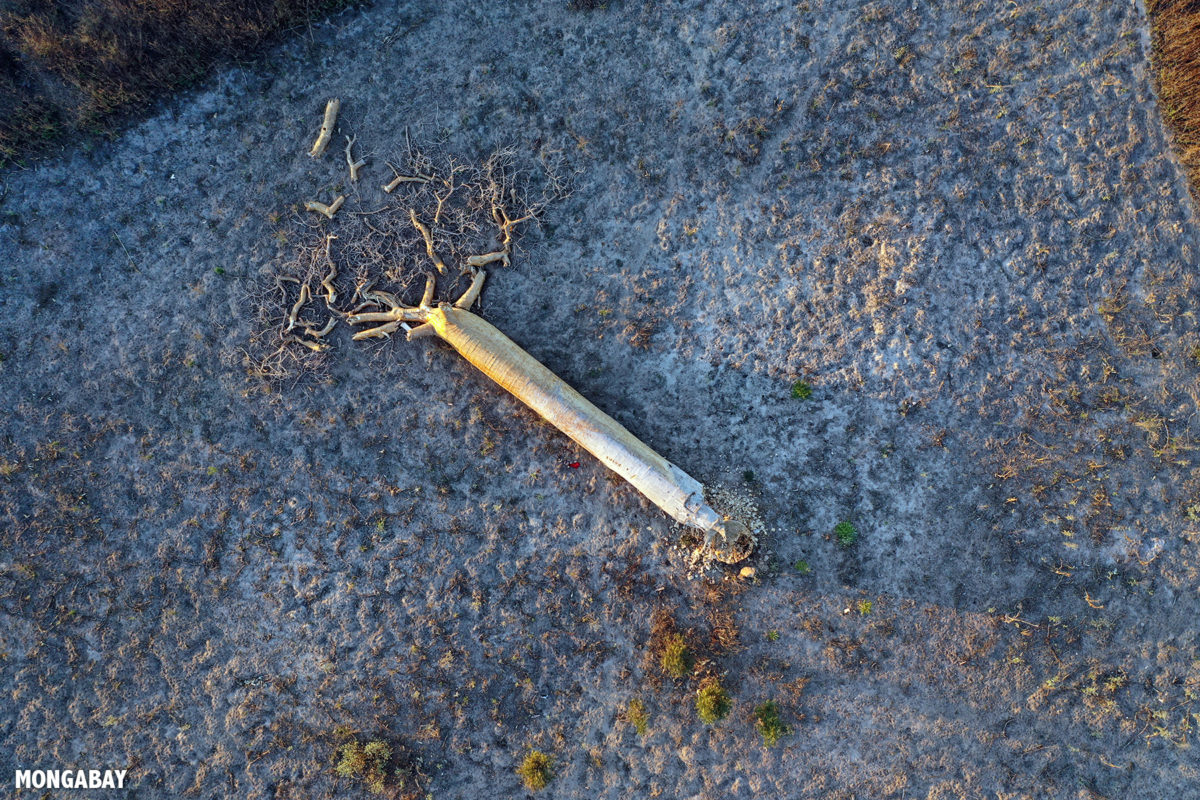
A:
{"x":957,"y":224}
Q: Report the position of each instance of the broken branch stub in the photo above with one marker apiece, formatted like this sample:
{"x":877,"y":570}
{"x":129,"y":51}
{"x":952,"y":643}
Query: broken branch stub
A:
{"x":326,"y":132}
{"x":399,"y":179}
{"x":354,"y":166}
{"x":327,"y":210}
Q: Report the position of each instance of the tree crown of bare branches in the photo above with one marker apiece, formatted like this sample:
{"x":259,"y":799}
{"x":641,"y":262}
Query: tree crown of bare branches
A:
{"x":438,"y":215}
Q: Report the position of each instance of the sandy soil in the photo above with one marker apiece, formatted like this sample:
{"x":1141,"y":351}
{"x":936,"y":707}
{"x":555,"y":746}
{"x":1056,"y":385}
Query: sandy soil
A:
{"x":958,"y":221}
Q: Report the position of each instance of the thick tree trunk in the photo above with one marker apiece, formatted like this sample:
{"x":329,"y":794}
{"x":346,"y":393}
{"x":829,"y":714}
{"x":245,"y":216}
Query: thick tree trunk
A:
{"x":498,"y":357}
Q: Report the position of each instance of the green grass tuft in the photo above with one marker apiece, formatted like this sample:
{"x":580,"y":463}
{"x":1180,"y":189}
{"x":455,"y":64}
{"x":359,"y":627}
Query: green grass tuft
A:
{"x":769,"y":723}
{"x":366,"y":762}
{"x":713,"y":703}
{"x":677,"y":659}
{"x":537,"y":770}
{"x":638,"y":716}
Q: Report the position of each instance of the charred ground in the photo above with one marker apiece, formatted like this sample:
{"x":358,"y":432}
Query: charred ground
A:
{"x":960,"y":226}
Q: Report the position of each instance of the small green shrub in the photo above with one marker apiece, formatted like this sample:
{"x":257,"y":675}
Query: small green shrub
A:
{"x":713,"y":703}
{"x":769,"y":724}
{"x":366,"y":762}
{"x":865,"y":606}
{"x":638,"y":717}
{"x":772,"y":636}
{"x":677,"y":660}
{"x":802,"y":567}
{"x":536,"y":770}
{"x":801,"y":390}
{"x":845,"y":533}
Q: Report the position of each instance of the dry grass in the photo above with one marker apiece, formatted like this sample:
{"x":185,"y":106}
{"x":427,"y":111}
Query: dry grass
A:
{"x":1175,"y":35}
{"x":73,"y":64}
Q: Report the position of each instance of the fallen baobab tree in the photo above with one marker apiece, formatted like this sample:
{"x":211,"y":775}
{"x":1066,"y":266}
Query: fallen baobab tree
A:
{"x":498,"y":357}
{"x":441,"y":214}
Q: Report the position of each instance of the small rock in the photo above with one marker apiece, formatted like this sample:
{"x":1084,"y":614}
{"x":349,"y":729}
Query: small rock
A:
{"x":748,"y":572}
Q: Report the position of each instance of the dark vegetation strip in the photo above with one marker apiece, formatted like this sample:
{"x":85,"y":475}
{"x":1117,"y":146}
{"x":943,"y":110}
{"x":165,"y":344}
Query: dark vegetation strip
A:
{"x":81,"y":65}
{"x":1175,"y":36}
{"x":77,"y":65}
